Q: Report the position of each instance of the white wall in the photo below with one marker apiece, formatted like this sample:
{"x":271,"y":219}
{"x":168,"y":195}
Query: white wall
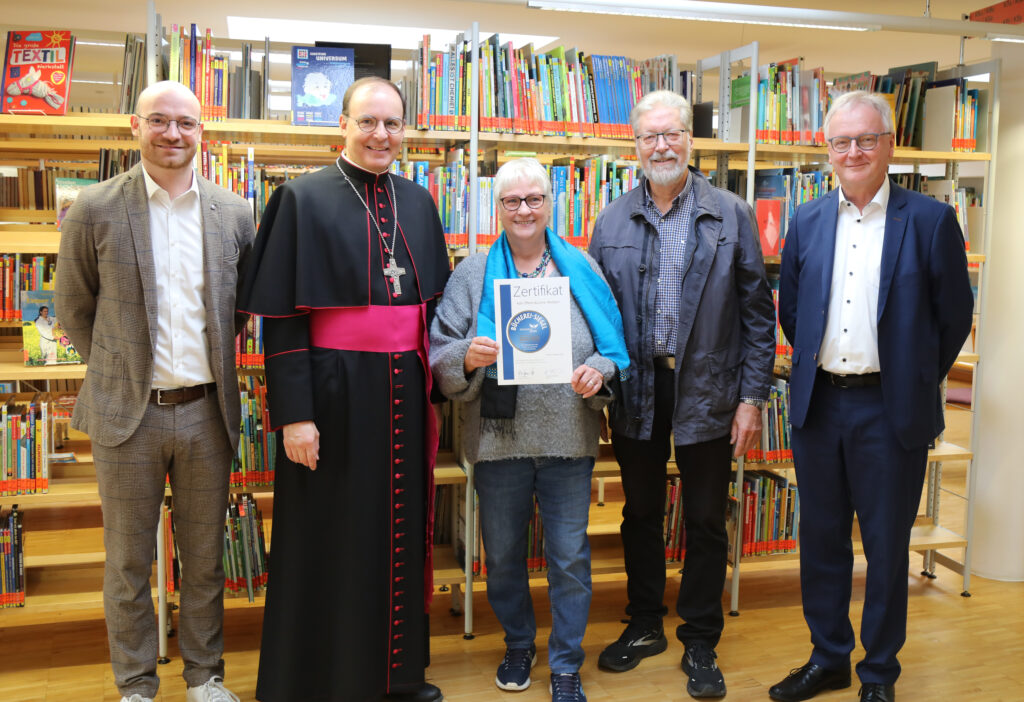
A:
{"x":998,"y":546}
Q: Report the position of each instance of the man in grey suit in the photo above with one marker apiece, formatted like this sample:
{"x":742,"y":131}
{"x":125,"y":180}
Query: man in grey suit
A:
{"x":146,"y":282}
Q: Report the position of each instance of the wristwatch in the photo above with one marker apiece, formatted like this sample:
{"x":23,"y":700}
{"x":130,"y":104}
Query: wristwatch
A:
{"x":754,"y":401}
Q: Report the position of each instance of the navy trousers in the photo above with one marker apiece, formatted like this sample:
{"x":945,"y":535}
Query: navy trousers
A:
{"x":848,"y":460}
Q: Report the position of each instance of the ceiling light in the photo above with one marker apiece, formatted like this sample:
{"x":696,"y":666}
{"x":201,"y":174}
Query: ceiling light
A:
{"x":305,"y":32}
{"x":1005,"y":37}
{"x":701,"y":11}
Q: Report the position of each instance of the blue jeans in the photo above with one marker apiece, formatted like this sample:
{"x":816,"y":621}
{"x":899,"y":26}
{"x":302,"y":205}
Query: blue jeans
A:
{"x":506,"y":489}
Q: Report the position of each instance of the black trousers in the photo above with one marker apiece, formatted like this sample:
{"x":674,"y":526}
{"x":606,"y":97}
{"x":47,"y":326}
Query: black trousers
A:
{"x":704,"y":469}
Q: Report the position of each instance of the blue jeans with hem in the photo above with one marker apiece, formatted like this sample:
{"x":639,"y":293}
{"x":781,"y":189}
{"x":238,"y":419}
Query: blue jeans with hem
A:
{"x":562,"y":486}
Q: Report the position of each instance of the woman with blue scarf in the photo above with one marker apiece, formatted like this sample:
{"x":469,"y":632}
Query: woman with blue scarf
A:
{"x":528,"y":440}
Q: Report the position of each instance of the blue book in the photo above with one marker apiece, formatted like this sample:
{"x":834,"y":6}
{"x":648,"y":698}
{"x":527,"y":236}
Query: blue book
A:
{"x":320,"y":77}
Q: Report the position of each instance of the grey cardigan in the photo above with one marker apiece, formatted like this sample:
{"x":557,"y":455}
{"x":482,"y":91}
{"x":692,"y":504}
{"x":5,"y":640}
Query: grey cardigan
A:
{"x":551,"y":420}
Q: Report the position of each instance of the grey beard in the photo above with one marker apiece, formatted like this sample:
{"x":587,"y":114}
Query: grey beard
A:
{"x":663,"y":176}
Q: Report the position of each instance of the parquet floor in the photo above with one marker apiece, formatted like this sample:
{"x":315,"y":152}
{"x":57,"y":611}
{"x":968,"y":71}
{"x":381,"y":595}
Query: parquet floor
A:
{"x":957,"y":648}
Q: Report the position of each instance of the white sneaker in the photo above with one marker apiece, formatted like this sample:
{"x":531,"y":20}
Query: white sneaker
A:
{"x":212,"y":691}
{"x":136,"y":698}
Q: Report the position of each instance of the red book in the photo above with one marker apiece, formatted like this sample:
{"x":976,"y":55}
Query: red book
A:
{"x":769,"y":218}
{"x":37,"y":72}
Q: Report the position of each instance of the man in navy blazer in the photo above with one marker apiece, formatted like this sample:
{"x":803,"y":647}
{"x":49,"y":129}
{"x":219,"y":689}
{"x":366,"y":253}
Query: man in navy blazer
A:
{"x":876,"y":300}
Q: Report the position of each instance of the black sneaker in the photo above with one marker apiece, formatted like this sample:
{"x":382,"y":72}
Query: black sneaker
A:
{"x":705,"y":678}
{"x":637,"y":642}
{"x":514,"y":670}
{"x":566,"y":687}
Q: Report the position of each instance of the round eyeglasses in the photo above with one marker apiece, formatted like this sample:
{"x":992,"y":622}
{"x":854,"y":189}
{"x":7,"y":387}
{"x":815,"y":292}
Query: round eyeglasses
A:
{"x":159,"y":123}
{"x":865,"y":142}
{"x":368,"y":123}
{"x":512,"y":203}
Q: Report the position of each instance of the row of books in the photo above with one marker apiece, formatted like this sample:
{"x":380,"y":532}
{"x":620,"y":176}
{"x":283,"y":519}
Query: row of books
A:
{"x":172,"y":565}
{"x":26,"y":443}
{"x":257,"y":449}
{"x":771,"y":513}
{"x":791,"y":104}
{"x":249,"y":344}
{"x":193,"y":61}
{"x":783,"y":349}
{"x":19,"y":274}
{"x":12,"y":558}
{"x":245,"y":548}
{"x":557,"y":92}
{"x":778,"y":192}
{"x":775,"y":444}
{"x":39,"y":188}
{"x":675,"y":531}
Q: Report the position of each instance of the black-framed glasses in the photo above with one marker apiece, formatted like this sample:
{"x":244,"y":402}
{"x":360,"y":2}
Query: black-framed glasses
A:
{"x":512,"y":203}
{"x":368,"y":123}
{"x":672,"y":137}
{"x":865,"y":142}
{"x":159,"y":123}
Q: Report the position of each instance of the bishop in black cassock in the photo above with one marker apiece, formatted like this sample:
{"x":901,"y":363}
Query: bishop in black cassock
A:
{"x":349,"y":564}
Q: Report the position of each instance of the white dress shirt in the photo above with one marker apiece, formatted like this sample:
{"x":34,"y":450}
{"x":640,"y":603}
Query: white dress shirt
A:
{"x":850,"y":344}
{"x":182,"y":356}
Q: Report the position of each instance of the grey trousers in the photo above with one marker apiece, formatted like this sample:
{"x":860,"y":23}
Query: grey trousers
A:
{"x":188,"y":442}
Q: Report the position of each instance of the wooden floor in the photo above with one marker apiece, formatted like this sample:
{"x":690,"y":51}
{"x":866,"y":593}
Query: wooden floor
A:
{"x":957,"y":648}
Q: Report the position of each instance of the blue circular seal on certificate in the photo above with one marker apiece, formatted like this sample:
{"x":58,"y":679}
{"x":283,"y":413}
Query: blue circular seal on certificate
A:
{"x":528,"y":331}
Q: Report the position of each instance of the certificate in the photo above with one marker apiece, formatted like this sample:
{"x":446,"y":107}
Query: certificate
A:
{"x":534,"y":339}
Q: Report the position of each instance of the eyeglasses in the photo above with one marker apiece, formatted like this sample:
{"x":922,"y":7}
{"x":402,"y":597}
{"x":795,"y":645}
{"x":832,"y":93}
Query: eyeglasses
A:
{"x":673,"y":137}
{"x":393,"y":125}
{"x":512,"y":203}
{"x":159,"y":123}
{"x":865,"y":142}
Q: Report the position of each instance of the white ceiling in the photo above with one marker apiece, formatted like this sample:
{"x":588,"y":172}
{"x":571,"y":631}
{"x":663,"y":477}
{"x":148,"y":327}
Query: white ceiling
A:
{"x":839,"y":52}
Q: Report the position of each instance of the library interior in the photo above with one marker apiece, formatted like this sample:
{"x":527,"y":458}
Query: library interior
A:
{"x":485,"y":82}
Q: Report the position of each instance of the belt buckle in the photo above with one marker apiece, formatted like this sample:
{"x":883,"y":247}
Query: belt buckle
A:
{"x":840,"y":381}
{"x":160,"y":398}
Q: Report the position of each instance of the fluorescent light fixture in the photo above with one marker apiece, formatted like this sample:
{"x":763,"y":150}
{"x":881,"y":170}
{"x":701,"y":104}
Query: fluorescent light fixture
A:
{"x":305,"y":32}
{"x":1006,"y":38}
{"x":701,"y":11}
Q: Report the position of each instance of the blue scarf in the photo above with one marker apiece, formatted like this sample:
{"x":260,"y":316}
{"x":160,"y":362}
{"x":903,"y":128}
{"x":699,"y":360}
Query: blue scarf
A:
{"x":589,"y":290}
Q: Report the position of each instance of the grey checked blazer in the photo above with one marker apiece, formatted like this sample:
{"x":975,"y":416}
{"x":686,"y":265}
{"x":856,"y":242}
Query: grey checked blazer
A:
{"x":106,"y":299}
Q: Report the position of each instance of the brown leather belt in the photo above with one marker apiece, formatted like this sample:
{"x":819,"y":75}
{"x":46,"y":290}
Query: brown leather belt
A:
{"x":850,"y":381}
{"x":175,"y":396}
{"x":667,"y":362}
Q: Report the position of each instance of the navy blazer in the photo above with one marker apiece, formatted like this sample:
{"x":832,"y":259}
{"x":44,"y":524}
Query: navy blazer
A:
{"x":925,"y":305}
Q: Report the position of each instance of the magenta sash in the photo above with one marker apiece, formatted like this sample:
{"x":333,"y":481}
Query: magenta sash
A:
{"x":385,"y":329}
{"x":374,"y":328}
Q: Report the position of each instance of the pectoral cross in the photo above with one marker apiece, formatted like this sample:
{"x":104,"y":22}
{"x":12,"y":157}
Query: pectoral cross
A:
{"x":395,"y":273}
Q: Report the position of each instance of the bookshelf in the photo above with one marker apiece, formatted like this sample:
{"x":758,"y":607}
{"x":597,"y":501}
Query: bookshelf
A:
{"x":31,"y":140}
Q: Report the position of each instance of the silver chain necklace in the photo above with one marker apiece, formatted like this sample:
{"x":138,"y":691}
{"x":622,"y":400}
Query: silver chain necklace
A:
{"x":392,"y":270}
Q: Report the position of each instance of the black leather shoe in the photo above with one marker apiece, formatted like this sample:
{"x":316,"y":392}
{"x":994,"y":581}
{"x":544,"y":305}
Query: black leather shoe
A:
{"x":877,"y":692}
{"x":807,"y":681}
{"x":424,"y":692}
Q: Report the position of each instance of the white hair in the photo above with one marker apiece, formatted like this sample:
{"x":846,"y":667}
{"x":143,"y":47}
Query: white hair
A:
{"x":522,"y":170}
{"x":848,"y":101}
{"x":662,"y":98}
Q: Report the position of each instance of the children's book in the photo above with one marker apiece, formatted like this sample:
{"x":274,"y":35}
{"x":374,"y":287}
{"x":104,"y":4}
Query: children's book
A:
{"x":320,"y":77}
{"x":37,"y":72}
{"x":43,"y":340}
{"x":66,"y":190}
